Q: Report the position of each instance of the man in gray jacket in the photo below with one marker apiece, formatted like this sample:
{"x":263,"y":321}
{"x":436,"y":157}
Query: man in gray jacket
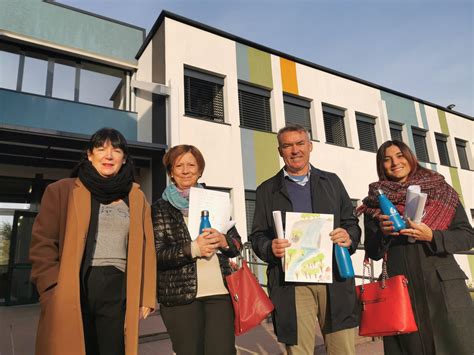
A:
{"x":300,"y":187}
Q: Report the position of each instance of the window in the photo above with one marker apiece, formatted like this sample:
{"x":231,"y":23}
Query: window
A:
{"x":98,"y":84}
{"x":442,"y":145}
{"x":203,"y":95}
{"x":366,"y":131}
{"x":34,"y":75}
{"x":54,"y":75}
{"x":250,"y":199}
{"x":64,"y":79}
{"x":297,"y":111}
{"x":9,"y":63}
{"x":419,"y":138}
{"x":334,"y":126}
{"x":254,"y":108}
{"x":462,"y":153}
{"x":396,"y":130}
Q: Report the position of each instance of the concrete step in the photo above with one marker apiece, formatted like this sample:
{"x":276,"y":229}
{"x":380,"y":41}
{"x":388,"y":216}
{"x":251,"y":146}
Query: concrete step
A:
{"x":18,"y":331}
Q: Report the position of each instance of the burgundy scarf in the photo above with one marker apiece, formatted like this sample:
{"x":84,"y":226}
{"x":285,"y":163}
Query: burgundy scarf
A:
{"x":440,"y":205}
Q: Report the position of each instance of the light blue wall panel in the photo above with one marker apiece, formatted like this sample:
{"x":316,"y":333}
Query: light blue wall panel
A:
{"x":59,"y":25}
{"x":34,"y":111}
{"x":401,"y":110}
{"x":248,"y":159}
{"x":243,"y":72}
{"x":424,"y":118}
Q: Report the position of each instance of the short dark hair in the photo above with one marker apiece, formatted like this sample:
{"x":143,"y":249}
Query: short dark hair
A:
{"x":407,"y":153}
{"x":106,"y":134}
{"x":98,"y":139}
{"x":292,"y":127}
{"x":171,"y":155}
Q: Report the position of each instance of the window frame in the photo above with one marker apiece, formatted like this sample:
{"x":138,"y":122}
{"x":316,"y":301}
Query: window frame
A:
{"x":442,"y":147}
{"x":419,"y":132}
{"x":335,"y":114}
{"x":250,"y":195}
{"x":461,"y":143}
{"x":255,"y":93}
{"x":368,"y":120}
{"x":52,"y":58}
{"x":395,"y":126}
{"x":214,"y":82}
{"x":300,"y":102}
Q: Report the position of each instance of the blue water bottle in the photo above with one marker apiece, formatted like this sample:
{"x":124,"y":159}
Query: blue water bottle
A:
{"x":390,"y":210}
{"x":344,"y":262}
{"x":204,"y":221}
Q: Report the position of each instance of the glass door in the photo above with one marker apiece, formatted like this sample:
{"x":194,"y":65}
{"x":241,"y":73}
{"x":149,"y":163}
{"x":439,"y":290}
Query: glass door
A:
{"x":19,"y":288}
{"x":6,"y":222}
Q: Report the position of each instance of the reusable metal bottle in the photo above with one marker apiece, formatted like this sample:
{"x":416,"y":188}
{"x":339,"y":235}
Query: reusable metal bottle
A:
{"x":204,"y":221}
{"x":390,"y":210}
{"x":344,"y":262}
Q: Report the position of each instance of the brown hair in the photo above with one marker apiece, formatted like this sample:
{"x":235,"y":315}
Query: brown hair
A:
{"x":171,"y":155}
{"x":407,"y":153}
{"x":293,"y":127}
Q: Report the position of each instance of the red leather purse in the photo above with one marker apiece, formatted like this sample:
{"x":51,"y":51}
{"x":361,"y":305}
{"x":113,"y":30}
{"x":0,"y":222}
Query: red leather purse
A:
{"x":386,"y":306}
{"x":251,"y":303}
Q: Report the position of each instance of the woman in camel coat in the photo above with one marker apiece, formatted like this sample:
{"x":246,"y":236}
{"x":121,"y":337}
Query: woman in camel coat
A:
{"x":63,"y":249}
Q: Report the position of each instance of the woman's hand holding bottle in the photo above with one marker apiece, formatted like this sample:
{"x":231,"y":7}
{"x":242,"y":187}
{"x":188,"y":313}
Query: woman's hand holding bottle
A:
{"x":210,"y":240}
{"x":386,"y":225}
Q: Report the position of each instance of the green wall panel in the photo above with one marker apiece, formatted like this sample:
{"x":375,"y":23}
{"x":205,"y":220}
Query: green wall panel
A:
{"x":260,"y":68}
{"x":254,"y":66}
{"x":443,"y":123}
{"x":66,"y":27}
{"x":267,"y":161}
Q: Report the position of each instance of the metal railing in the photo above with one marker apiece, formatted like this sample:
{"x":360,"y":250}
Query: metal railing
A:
{"x":253,"y":262}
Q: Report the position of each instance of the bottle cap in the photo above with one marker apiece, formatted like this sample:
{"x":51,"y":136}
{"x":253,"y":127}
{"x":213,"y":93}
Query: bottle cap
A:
{"x":204,"y":213}
{"x":379,"y":192}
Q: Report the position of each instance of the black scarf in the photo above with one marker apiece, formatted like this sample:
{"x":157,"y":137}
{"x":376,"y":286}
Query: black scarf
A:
{"x":106,"y":190}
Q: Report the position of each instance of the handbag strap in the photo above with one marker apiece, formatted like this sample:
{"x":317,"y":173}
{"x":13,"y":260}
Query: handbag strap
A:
{"x":368,"y":267}
{"x":384,"y":270}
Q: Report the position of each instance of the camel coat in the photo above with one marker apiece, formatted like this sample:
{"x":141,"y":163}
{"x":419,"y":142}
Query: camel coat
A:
{"x":57,"y":246}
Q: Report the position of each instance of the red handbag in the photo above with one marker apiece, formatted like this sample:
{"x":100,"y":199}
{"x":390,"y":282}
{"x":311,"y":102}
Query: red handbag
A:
{"x":251,"y":303}
{"x":386,"y":306}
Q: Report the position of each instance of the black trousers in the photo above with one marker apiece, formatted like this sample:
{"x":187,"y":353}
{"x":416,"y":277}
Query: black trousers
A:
{"x":103,"y":310}
{"x":203,"y":327}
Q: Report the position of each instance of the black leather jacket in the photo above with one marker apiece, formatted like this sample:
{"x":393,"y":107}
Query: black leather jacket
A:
{"x":176,"y":276}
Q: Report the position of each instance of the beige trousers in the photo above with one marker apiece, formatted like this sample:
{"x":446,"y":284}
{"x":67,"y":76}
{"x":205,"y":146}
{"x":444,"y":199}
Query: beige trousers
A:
{"x":311,"y":306}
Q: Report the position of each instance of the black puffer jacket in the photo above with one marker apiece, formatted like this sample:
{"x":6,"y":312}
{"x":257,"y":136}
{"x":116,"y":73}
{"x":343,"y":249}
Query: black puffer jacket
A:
{"x":176,"y":276}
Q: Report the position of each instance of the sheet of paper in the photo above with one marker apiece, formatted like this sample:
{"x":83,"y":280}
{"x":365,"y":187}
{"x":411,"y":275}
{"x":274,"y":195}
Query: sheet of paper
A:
{"x":218,"y":205}
{"x":277,"y":220}
{"x":309,"y":258}
{"x":411,"y":202}
{"x":415,"y":205}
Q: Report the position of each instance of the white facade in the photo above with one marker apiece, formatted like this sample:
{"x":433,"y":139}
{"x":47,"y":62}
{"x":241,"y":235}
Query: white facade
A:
{"x":222,"y":144}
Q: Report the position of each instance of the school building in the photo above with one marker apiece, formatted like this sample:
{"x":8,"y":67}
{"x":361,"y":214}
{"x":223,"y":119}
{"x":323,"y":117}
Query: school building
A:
{"x":64,"y":73}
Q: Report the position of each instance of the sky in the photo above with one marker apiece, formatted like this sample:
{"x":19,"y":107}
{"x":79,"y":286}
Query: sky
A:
{"x":423,"y":48}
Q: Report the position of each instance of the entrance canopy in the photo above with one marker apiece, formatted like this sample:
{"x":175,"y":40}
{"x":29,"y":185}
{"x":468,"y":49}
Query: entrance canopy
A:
{"x":54,"y":149}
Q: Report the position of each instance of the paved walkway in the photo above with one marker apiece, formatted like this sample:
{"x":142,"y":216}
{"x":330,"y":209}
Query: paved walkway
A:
{"x":18,"y":327}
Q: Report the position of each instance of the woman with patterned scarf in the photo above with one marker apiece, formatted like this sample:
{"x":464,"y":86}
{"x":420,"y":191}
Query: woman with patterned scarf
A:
{"x":439,"y":296}
{"x":194,"y":300}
